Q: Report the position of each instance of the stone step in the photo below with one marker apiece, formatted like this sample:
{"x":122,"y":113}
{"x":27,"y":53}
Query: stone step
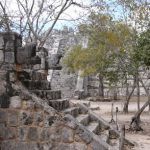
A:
{"x":60,"y":104}
{"x":74,"y":111}
{"x":114,"y":142}
{"x":83,"y":119}
{"x":37,"y":84}
{"x":93,"y":127}
{"x":39,"y":76}
{"x":48,"y":94}
{"x":104,"y":135}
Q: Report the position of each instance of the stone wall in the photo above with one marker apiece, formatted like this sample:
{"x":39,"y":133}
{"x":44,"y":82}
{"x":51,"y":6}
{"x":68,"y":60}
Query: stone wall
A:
{"x":27,"y":122}
{"x":64,"y":82}
{"x":9,"y":42}
{"x":59,"y":43}
{"x":27,"y":125}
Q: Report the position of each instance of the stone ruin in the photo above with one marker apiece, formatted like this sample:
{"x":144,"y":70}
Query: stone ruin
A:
{"x":60,"y":43}
{"x":33,"y":116}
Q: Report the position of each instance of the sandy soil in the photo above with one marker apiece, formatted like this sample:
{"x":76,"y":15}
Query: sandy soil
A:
{"x":142,"y":138}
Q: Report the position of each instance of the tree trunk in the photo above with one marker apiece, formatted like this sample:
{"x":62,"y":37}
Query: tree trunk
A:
{"x":115,"y":93}
{"x":135,"y":122}
{"x":101,"y":86}
{"x":138,"y":93}
{"x":125,"y":108}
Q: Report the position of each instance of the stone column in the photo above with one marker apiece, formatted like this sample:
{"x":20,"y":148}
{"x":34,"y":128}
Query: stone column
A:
{"x":81,"y":87}
{"x":80,"y":81}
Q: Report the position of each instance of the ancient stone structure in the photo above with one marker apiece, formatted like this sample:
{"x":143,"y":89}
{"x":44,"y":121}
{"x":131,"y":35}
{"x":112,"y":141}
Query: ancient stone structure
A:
{"x":58,"y":45}
{"x":73,"y":85}
{"x":32,"y":115}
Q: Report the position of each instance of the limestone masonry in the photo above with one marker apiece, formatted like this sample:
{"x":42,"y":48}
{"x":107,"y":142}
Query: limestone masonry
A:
{"x":33,"y":115}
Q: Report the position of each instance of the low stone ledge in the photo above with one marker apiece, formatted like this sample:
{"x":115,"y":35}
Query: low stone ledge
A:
{"x":104,"y":124}
{"x":87,"y":136}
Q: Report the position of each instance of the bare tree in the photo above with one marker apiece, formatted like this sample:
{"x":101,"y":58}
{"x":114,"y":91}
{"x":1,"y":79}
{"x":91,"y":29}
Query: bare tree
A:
{"x":35,"y":19}
{"x":4,"y":20}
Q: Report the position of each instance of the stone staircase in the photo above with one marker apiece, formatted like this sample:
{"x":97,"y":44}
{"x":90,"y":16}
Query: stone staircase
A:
{"x":37,"y":83}
{"x":91,"y":122}
{"x":96,"y":127}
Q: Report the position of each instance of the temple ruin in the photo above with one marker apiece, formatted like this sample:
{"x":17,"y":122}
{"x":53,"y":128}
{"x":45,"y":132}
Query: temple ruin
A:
{"x":33,"y":114}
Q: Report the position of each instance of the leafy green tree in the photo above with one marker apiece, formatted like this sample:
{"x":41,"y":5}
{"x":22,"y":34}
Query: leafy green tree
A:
{"x":141,"y":55}
{"x":108,"y":41}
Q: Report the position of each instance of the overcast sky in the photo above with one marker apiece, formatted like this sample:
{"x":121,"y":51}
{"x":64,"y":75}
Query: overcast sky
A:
{"x":74,"y":12}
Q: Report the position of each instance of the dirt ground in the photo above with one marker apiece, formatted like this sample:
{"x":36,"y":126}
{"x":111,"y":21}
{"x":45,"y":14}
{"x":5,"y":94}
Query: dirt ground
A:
{"x":142,"y":138}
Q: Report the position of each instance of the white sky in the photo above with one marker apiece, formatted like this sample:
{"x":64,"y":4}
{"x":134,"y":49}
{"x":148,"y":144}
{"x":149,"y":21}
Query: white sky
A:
{"x":74,"y":12}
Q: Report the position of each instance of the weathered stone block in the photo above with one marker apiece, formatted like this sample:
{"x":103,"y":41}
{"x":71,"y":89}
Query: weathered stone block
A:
{"x":73,"y":146}
{"x":9,"y":57}
{"x":2,"y":86}
{"x":26,"y":118}
{"x":5,"y":66}
{"x":10,"y":45}
{"x":12,"y":77}
{"x":67,"y":135}
{"x":45,"y":134}
{"x":13,"y":118}
{"x":77,"y":138}
{"x":33,"y":134}
{"x":24,"y":96}
{"x":55,"y":137}
{"x":28,"y":104}
{"x":11,"y":145}
{"x":1,"y":42}
{"x":2,"y":131}
{"x":37,"y":67}
{"x":80,"y":146}
{"x":49,"y":120}
{"x":24,"y":54}
{"x":3,"y":116}
{"x":84,"y":135}
{"x":97,"y":146}
{"x":22,"y":133}
{"x":113,"y":134}
{"x":38,"y":76}
{"x":37,"y":85}
{"x":19,"y":42}
{"x":15,"y":102}
{"x":38,"y":106}
{"x":45,"y":146}
{"x":7,"y":133}
{"x":21,"y":58}
{"x":59,"y":104}
{"x":4,"y":98}
{"x":7,"y":145}
{"x":38,"y":118}
{"x":11,"y":133}
{"x":71,"y":124}
{"x":1,"y":56}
